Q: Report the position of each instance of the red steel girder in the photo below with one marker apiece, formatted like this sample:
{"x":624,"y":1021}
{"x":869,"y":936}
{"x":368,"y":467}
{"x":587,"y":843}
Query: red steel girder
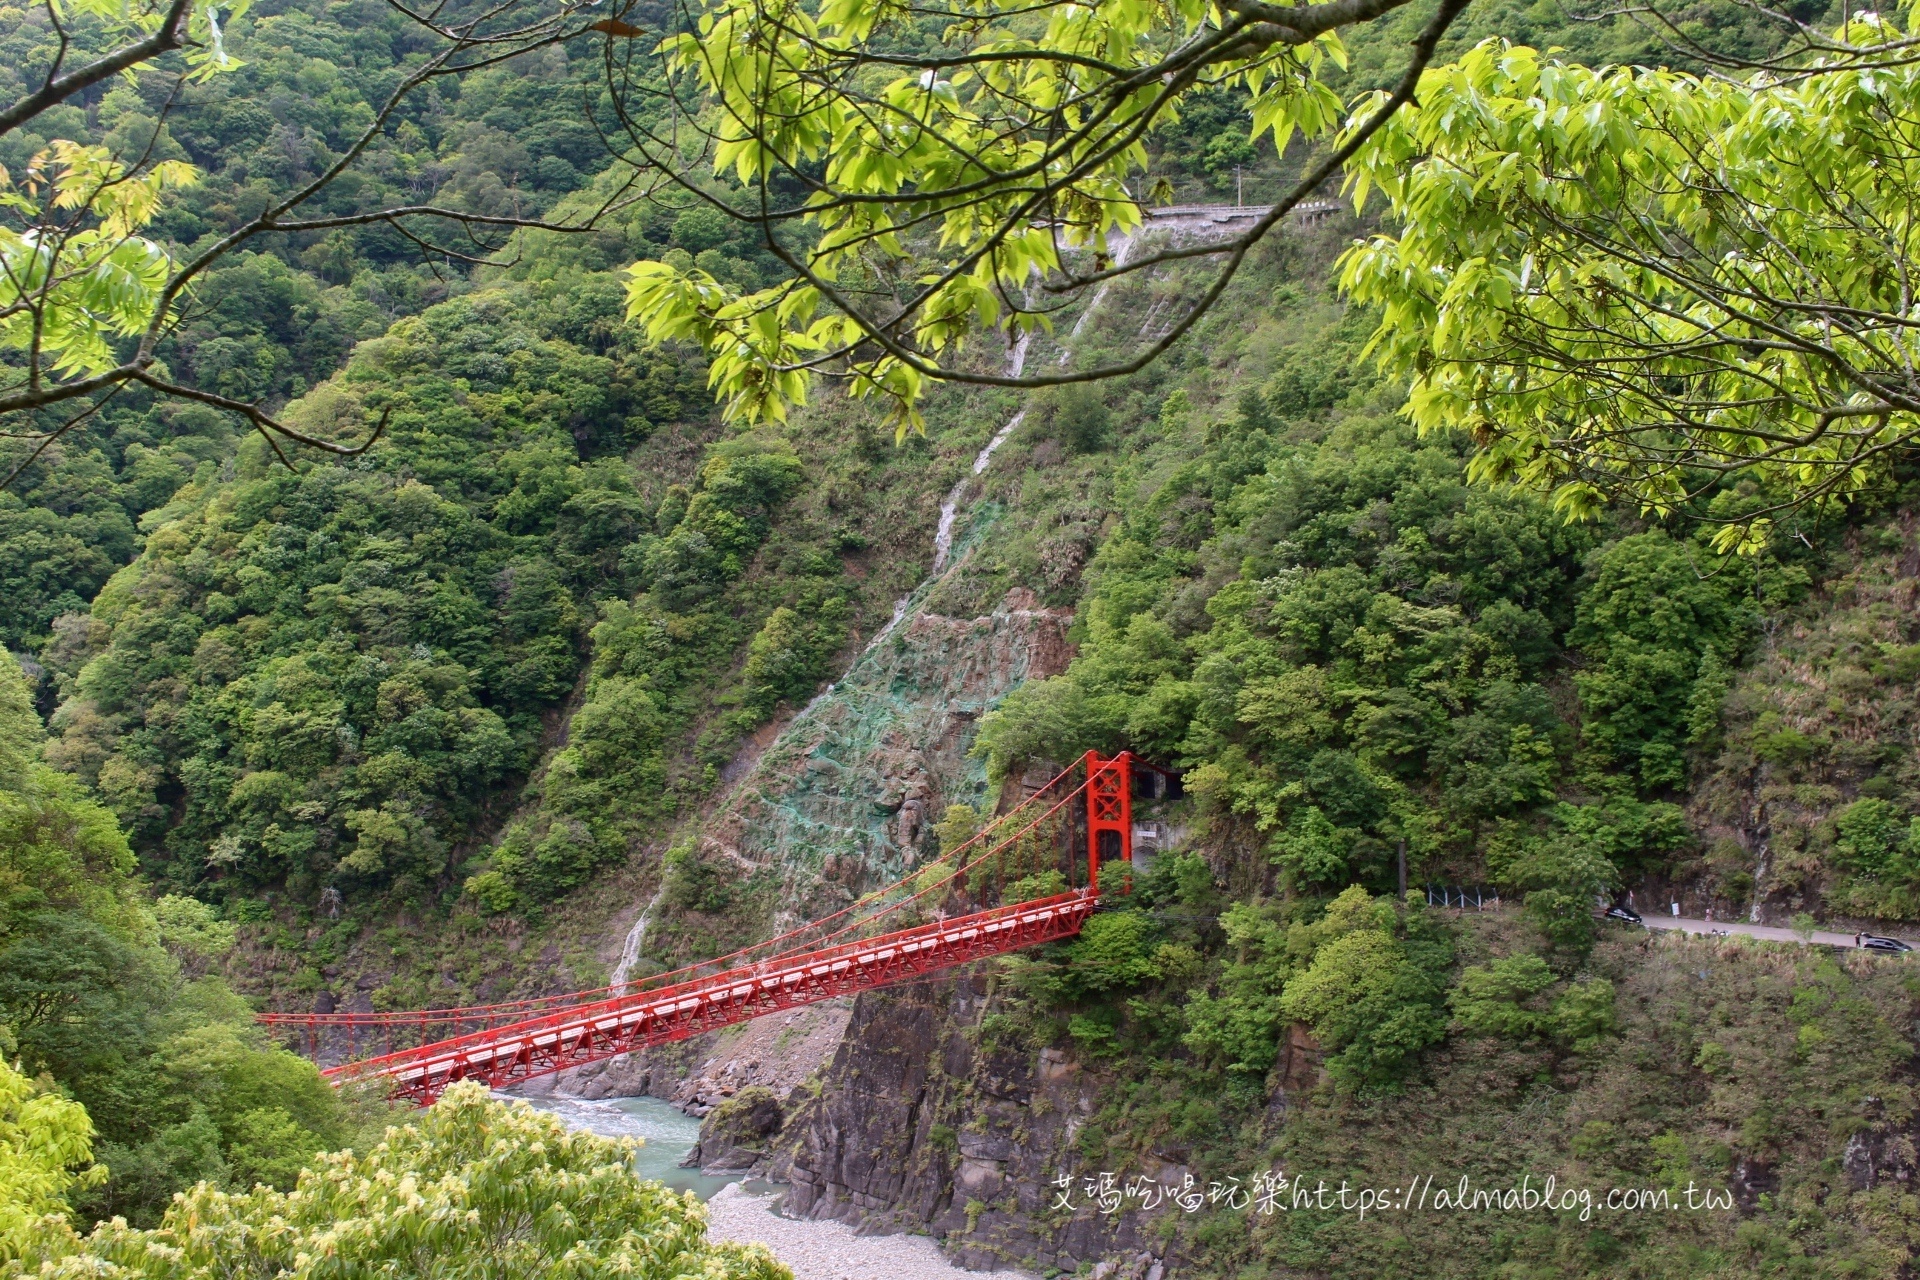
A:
{"x":520,"y":1051}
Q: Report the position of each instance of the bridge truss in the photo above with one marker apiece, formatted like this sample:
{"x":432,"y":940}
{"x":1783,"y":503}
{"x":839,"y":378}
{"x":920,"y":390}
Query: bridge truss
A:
{"x":884,"y":938}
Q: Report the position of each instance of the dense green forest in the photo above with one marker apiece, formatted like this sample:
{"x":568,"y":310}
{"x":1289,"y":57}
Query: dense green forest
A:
{"x":1346,"y":645}
{"x":280,"y":320}
{"x":416,"y":726}
{"x":109,"y":992}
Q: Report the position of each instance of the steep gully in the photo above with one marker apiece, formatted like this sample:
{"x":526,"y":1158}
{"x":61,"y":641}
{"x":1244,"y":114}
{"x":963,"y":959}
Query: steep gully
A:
{"x":846,"y":793}
{"x":633,"y":943}
{"x":642,"y":1069}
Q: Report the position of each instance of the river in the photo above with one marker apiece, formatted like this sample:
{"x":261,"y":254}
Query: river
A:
{"x":750,"y":1211}
{"x":667,"y":1132}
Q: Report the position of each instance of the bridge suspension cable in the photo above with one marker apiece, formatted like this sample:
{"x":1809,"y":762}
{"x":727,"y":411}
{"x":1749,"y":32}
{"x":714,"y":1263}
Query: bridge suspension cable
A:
{"x":835,"y":955}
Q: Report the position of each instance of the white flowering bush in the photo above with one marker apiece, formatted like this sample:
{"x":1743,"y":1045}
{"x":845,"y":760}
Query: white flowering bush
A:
{"x":475,"y":1189}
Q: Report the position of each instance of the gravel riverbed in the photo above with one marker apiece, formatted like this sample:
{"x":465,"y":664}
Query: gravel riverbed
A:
{"x":831,"y":1250}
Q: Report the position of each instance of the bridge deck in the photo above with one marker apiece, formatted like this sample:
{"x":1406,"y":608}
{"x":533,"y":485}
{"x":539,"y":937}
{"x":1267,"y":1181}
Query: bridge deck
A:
{"x":572,"y":1037}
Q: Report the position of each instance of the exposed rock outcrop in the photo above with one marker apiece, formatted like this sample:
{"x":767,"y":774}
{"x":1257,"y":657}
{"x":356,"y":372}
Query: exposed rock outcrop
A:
{"x":774,"y":1053}
{"x":922,"y":1124}
{"x":847,"y":796}
{"x":739,"y":1133}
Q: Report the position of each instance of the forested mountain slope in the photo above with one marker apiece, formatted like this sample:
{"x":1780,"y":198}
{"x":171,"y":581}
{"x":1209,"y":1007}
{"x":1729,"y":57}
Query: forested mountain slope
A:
{"x":440,"y":723}
{"x":109,"y":993}
{"x":324,"y":690}
{"x":1346,"y":646}
{"x":277,"y":319}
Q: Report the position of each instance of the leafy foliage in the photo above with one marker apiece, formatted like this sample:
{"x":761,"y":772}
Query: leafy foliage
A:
{"x":944,"y":183}
{"x":65,"y":297}
{"x":1508,"y":997}
{"x":1372,"y":993}
{"x":1661,"y":636}
{"x":1238,"y":1023}
{"x":474,"y":1187}
{"x":46,"y":1151}
{"x":1876,"y":840}
{"x":1631,"y":281}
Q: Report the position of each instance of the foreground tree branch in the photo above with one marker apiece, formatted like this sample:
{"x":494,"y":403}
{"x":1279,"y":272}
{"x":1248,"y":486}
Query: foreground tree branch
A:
{"x":169,"y":33}
{"x":86,"y":300}
{"x":882,"y":331}
{"x":914,"y":211}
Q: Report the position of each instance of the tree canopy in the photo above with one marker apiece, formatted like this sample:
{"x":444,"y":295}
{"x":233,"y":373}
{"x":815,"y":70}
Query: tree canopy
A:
{"x":1636,"y":283}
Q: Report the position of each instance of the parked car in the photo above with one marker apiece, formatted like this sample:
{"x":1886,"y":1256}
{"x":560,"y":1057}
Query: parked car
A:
{"x":1628,"y":914}
{"x":1873,"y":942}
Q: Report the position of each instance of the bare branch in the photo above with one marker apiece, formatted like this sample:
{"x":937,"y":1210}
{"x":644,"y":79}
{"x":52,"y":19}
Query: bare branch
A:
{"x":169,"y":35}
{"x":265,"y":423}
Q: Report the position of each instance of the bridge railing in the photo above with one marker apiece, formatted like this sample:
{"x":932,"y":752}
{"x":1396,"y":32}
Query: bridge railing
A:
{"x":663,"y":1002}
{"x":1463,"y":897}
{"x":1034,"y":851}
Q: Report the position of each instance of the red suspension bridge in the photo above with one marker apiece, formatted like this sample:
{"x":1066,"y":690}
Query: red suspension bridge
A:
{"x":949,"y":913}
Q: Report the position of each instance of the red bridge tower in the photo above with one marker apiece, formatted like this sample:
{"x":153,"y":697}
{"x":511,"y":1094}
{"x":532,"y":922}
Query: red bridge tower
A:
{"x":1109,"y":812}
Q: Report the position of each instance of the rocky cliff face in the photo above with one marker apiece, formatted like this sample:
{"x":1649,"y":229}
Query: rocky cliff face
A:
{"x":921,"y":1123}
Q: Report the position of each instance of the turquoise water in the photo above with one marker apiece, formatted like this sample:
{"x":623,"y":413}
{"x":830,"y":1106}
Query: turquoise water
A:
{"x":668,"y":1133}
